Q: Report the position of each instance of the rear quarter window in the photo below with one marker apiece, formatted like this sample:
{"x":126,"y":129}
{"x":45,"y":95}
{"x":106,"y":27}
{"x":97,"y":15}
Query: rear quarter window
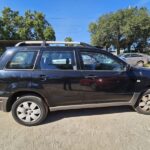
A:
{"x":22,"y":60}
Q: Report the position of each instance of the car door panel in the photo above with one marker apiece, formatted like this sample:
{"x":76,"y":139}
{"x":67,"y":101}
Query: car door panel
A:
{"x":106,"y":85}
{"x":105,"y":88}
{"x":60,"y":87}
{"x":59,"y":82}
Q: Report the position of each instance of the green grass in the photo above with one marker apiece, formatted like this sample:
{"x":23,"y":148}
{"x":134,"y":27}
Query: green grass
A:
{"x":147,"y":65}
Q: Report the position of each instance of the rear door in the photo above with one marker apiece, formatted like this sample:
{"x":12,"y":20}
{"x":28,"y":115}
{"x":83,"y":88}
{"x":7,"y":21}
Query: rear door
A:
{"x":129,"y":59}
{"x":136,"y":58}
{"x":57,"y":74}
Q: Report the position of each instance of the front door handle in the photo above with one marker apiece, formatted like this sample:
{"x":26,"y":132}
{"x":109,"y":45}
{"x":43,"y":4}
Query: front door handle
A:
{"x":43,"y":77}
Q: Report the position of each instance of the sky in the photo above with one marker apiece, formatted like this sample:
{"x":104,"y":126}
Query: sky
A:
{"x":72,"y":17}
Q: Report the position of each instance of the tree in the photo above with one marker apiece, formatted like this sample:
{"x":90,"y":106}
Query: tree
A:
{"x":31,"y":26}
{"x":1,"y":27}
{"x":9,"y":24}
{"x":68,"y":39}
{"x":137,"y":28}
{"x":122,"y":29}
{"x":49,"y":33}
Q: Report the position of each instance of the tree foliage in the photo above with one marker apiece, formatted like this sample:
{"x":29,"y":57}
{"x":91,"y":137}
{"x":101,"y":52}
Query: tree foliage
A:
{"x":68,"y":39}
{"x":122,"y":29}
{"x":30,"y":26}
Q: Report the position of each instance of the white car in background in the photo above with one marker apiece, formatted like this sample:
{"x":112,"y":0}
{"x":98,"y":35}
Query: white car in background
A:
{"x":135,"y":59}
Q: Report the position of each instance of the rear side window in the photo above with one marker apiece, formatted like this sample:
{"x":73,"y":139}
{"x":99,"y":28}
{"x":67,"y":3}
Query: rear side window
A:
{"x":136,"y":55}
{"x":22,"y":60}
{"x":57,"y":60}
{"x":127,"y":55}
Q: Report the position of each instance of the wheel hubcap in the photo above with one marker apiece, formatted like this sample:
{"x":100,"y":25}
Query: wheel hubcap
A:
{"x":145,"y":103}
{"x":28,"y":111}
{"x":140,"y":64}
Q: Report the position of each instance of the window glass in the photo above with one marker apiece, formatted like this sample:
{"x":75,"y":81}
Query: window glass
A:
{"x":127,"y":55}
{"x":22,"y":60}
{"x":57,"y":60}
{"x":135,"y":55}
{"x":98,"y":61}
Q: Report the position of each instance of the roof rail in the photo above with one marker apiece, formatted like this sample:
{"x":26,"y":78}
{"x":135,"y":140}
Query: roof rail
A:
{"x":45,"y":43}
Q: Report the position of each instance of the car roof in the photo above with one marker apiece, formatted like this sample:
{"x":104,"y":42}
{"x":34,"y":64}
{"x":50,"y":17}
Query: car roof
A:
{"x":54,"y":45}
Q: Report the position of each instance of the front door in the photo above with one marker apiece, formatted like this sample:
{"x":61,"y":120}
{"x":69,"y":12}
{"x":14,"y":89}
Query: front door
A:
{"x":104,"y":78}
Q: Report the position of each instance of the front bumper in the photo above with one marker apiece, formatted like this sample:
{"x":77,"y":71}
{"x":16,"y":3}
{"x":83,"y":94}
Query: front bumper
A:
{"x":3,"y":102}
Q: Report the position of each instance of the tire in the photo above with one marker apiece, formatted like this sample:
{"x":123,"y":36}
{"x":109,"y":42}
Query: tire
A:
{"x":140,"y":64}
{"x":143,"y":104}
{"x":29,"y":110}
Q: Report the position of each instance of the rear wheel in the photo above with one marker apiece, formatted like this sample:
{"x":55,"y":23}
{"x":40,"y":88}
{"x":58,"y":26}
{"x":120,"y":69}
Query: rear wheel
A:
{"x":143,"y":105}
{"x":140,"y":64}
{"x":29,"y":110}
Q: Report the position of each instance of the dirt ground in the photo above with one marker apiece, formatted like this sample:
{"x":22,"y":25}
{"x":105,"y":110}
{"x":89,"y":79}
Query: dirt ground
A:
{"x":115,"y":128}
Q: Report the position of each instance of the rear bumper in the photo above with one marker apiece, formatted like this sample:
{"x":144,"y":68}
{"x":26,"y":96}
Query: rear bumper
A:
{"x":3,"y":102}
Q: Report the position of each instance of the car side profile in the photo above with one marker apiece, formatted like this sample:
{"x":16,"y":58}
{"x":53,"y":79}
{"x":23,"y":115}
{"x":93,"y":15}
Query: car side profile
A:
{"x":135,"y":59}
{"x":36,"y":77}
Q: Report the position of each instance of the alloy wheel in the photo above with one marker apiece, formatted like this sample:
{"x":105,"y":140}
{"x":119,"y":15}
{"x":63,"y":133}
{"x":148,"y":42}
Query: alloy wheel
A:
{"x":28,"y":111}
{"x":144,"y":104}
{"x":140,"y":64}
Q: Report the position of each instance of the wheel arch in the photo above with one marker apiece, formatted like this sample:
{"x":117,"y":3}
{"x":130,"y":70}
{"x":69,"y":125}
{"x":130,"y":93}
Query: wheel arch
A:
{"x":17,"y":94}
{"x":138,"y":95}
{"x":140,"y":61}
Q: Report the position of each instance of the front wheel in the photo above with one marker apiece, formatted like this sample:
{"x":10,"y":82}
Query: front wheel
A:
{"x":143,"y":104}
{"x":29,"y":110}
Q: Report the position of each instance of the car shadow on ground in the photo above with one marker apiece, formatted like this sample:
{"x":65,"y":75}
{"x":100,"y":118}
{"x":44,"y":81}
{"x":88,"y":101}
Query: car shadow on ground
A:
{"x":58,"y":115}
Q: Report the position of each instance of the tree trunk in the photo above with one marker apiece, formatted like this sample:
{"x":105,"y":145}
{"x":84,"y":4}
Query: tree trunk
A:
{"x":118,"y":46}
{"x":107,"y":48}
{"x":129,"y":48}
{"x":118,"y":50}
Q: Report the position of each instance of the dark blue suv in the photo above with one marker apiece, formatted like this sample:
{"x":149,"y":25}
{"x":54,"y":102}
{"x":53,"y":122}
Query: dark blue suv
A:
{"x":36,"y":76}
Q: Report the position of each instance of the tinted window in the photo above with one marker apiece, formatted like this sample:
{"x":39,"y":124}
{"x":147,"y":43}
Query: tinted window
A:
{"x":136,"y":55}
{"x":98,"y":61}
{"x":57,"y":60}
{"x":127,"y":55}
{"x":22,"y":60}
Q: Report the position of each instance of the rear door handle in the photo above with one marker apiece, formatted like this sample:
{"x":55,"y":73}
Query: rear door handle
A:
{"x":43,"y":77}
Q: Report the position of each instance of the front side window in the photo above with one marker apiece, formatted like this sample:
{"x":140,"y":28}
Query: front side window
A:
{"x":57,"y":60}
{"x":98,"y":61}
{"x":22,"y":60}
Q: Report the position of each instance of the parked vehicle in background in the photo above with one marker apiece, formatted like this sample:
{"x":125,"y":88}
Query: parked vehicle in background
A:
{"x":135,"y":59}
{"x":148,"y":57}
{"x":36,"y":76}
